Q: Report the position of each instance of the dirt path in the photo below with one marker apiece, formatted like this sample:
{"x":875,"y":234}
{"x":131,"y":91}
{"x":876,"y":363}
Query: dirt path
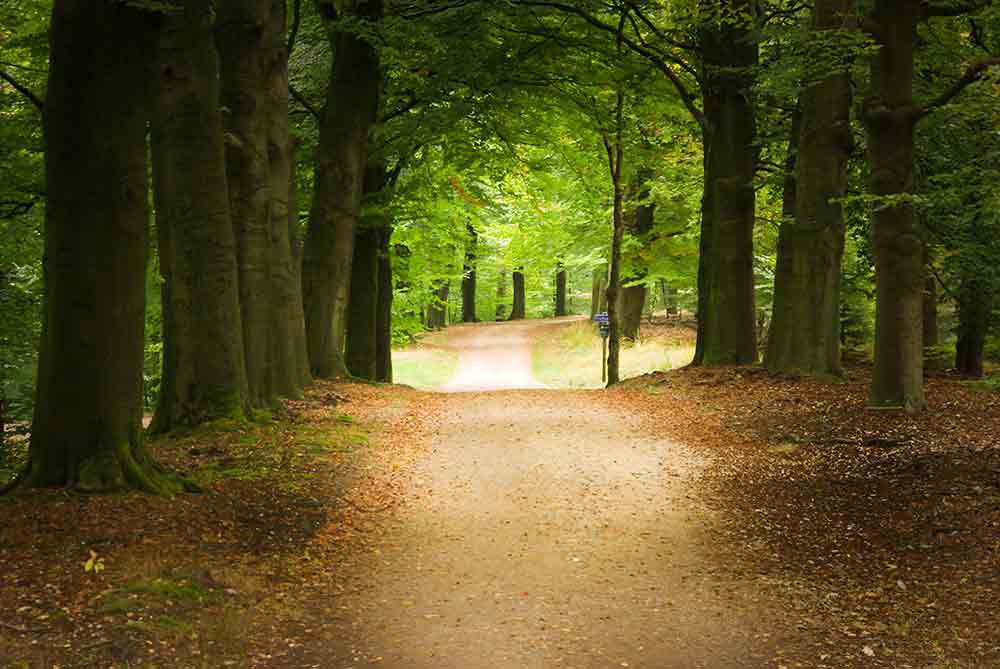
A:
{"x":542,"y":529}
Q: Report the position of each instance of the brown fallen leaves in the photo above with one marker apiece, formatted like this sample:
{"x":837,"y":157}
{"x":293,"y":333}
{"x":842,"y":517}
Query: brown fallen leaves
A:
{"x":211,"y":579}
{"x":879,"y":532}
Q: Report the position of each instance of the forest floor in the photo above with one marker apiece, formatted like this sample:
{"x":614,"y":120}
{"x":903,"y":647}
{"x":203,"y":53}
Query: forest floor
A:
{"x":714,"y":518}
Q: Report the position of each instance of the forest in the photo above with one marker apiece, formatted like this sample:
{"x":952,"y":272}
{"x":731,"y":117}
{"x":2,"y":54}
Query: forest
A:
{"x":211,"y":210}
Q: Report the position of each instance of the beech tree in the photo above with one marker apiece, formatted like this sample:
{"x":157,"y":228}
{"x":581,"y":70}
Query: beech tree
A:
{"x":804,"y":336}
{"x":204,"y":373}
{"x":891,"y":115}
{"x":87,"y":430}
{"x":341,"y":157}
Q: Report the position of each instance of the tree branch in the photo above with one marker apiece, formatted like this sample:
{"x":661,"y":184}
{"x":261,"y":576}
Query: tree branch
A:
{"x":293,"y":31}
{"x":302,"y":101}
{"x":972,"y":74}
{"x":23,"y":90}
{"x":648,"y":53}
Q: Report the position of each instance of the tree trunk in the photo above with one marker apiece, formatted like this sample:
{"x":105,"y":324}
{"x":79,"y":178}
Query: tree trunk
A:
{"x":203,"y":369}
{"x":633,"y":299}
{"x":932,"y":336}
{"x":362,"y":313}
{"x":87,"y":430}
{"x":727,"y":331}
{"x":363,"y":307}
{"x":437,"y":311}
{"x":613,"y":291}
{"x":561,"y":291}
{"x":889,"y":116}
{"x":639,"y":225}
{"x":351,"y":107}
{"x":501,"y":310}
{"x":286,"y":332}
{"x":251,"y":40}
{"x":517,"y":310}
{"x":469,"y":278}
{"x":975,"y":304}
{"x":599,"y":291}
{"x":804,"y":336}
{"x":297,"y":327}
{"x":383,"y":316}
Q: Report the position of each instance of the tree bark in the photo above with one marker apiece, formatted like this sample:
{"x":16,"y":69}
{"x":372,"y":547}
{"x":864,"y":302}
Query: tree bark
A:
{"x":254,"y":75}
{"x":517,"y":310}
{"x":614,"y":277}
{"x":351,"y":107}
{"x":437,"y":311}
{"x":639,"y":225}
{"x":469,"y":277}
{"x":203,"y":369}
{"x":383,"y":316}
{"x":975,"y":304}
{"x":804,"y":336}
{"x":932,"y":336}
{"x":889,"y":116}
{"x":362,"y":313}
{"x":87,"y":430}
{"x":297,"y":326}
{"x":287,"y":326}
{"x":561,"y":292}
{"x":363,"y":307}
{"x":598,"y":291}
{"x":726,"y":315}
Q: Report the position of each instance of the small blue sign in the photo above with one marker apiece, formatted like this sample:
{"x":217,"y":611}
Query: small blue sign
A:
{"x":601,"y":318}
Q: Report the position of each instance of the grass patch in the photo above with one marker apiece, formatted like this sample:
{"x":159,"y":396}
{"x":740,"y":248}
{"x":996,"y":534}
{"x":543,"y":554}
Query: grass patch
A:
{"x":427,"y":366}
{"x":570,"y":356}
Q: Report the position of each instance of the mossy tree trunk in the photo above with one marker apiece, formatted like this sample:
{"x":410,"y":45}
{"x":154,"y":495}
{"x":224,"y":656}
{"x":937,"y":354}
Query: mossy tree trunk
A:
{"x":203,"y":367}
{"x":87,"y":430}
{"x":804,"y":336}
{"x":341,"y":158}
{"x":560,"y":291}
{"x":469,"y":277}
{"x":518,"y":307}
{"x":890,"y":117}
{"x":727,"y":332}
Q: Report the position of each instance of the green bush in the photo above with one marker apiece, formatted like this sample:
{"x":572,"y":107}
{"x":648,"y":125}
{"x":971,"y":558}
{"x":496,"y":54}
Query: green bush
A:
{"x":941,"y":356}
{"x":992,"y":349}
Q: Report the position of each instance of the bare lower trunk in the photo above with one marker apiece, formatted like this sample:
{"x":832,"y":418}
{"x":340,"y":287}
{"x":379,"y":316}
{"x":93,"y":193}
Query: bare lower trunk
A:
{"x":383,"y":315}
{"x":352,"y":101}
{"x":203,"y":369}
{"x":727,"y":332}
{"x":469,"y":278}
{"x":598,"y":291}
{"x":633,"y":299}
{"x":517,"y":309}
{"x":890,"y":116}
{"x":560,"y":293}
{"x":804,"y":336}
{"x":975,"y":304}
{"x":361,"y":316}
{"x":87,"y":431}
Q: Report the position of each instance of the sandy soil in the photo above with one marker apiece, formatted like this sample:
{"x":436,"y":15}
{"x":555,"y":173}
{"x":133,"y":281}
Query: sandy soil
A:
{"x":542,"y":529}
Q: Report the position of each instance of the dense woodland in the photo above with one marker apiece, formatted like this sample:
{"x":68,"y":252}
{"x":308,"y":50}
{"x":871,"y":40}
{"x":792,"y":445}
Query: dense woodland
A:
{"x":205,"y":206}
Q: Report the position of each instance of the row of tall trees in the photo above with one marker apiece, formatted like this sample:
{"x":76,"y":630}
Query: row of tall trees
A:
{"x":424,"y":137}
